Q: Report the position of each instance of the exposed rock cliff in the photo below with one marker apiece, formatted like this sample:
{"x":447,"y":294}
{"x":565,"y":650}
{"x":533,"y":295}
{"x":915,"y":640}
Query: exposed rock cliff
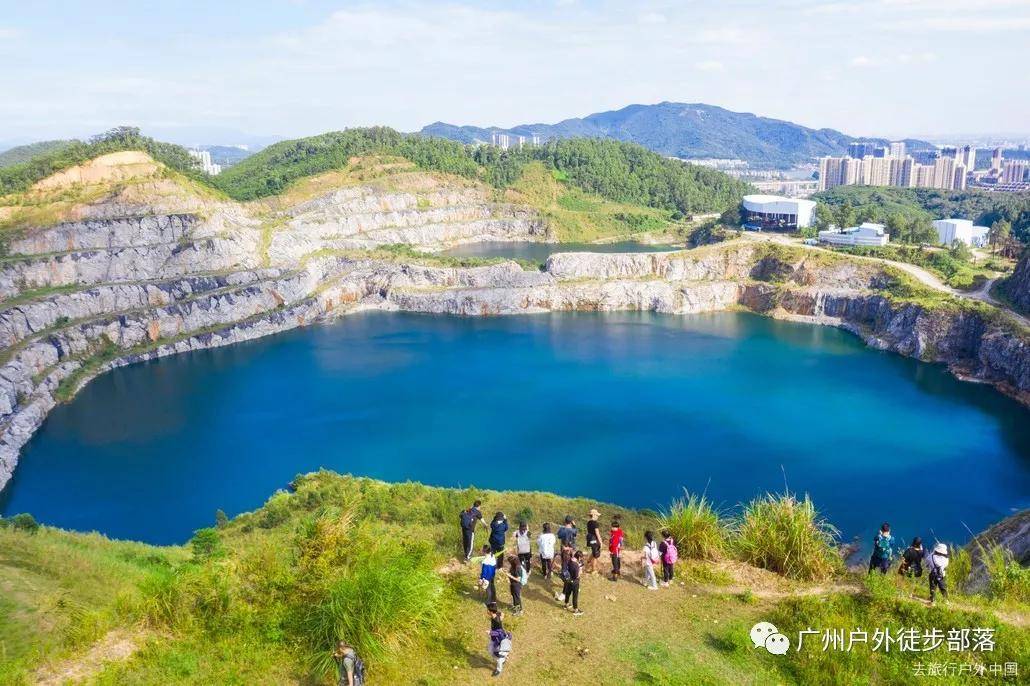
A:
{"x":150,"y":267}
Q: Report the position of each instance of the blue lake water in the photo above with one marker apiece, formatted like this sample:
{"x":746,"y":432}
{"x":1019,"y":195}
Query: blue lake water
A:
{"x":539,"y":252}
{"x":624,"y":407}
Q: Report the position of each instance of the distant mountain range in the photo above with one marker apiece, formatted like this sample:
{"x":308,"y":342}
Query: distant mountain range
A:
{"x":688,"y":131}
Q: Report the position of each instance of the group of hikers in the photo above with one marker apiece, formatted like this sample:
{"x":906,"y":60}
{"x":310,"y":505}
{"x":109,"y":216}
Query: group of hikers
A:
{"x":557,"y":554}
{"x":913,"y":558}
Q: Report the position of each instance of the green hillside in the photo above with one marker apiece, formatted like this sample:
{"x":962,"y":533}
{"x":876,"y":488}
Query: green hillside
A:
{"x":621,"y":172}
{"x":24,"y":153}
{"x":19,"y":177}
{"x":262,"y":598}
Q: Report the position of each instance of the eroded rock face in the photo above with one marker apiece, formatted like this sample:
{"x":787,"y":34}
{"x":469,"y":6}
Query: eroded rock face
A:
{"x":128,"y":283}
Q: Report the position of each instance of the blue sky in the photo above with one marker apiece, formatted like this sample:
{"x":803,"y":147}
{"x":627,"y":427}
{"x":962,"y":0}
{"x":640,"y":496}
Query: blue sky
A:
{"x":289,"y":68}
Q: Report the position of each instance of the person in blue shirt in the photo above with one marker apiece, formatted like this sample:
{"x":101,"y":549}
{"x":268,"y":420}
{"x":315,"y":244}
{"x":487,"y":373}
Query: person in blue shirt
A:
{"x":487,"y":573}
{"x":498,"y":532}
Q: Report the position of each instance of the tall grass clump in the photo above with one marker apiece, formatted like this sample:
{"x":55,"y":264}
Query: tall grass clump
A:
{"x":700,"y":531}
{"x":787,"y":536}
{"x":386,"y":602}
{"x":1009,"y":579}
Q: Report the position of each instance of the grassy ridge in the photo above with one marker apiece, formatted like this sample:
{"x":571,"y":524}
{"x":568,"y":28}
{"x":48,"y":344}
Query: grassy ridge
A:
{"x":261,"y":598}
{"x":19,"y":177}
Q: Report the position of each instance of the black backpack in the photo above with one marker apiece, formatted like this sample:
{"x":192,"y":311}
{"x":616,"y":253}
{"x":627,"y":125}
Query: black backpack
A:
{"x":359,"y":671}
{"x":468,"y":520}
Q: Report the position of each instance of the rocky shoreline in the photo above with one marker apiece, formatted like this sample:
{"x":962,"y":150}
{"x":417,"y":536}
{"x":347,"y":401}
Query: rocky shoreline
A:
{"x":127,"y":283}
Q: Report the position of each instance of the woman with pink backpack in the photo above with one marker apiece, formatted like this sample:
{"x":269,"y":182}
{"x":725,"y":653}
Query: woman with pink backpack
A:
{"x":669,"y":554}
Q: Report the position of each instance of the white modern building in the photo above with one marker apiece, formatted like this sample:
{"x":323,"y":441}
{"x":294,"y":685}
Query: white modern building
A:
{"x":204,"y":157}
{"x":777,"y":212}
{"x":951,"y":230}
{"x":866,"y":234}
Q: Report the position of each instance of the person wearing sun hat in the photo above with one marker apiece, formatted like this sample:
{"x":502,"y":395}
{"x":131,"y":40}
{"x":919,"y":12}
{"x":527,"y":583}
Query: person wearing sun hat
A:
{"x":937,"y":563}
{"x":593,"y":540}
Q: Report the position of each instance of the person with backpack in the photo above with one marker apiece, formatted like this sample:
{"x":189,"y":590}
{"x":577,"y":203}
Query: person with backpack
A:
{"x":570,"y":591}
{"x":470,"y":518}
{"x":545,"y":547}
{"x":649,"y":558}
{"x":615,"y":541}
{"x":522,"y":549}
{"x":912,"y":559}
{"x":517,"y":578}
{"x":487,"y":573}
{"x":937,"y":564}
{"x":352,"y":669}
{"x":669,"y":554}
{"x":498,"y":532}
{"x":567,"y":532}
{"x":567,"y":554}
{"x":882,"y":551}
{"x":593,"y":541}
{"x":500,"y":642}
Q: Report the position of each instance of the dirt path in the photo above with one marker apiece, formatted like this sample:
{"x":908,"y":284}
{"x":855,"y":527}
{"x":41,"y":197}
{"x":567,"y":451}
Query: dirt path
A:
{"x":924,"y":276}
{"x":117,"y":646}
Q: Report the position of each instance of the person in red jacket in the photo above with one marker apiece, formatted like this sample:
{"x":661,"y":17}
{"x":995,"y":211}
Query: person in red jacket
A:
{"x":615,"y":541}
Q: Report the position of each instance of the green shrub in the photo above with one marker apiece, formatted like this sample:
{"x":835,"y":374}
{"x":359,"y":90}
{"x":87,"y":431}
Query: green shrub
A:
{"x":21,"y":522}
{"x":700,"y":532}
{"x":787,"y":536}
{"x":276,"y":510}
{"x":221,"y":519}
{"x":1009,"y":579}
{"x":206,"y":543}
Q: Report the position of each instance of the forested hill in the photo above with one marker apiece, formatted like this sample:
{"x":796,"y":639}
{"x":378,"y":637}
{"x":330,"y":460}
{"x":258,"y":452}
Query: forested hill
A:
{"x":24,"y":153}
{"x":686,"y":130}
{"x":623,"y":172}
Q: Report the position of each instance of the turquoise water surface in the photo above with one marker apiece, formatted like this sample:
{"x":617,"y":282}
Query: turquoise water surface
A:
{"x":624,"y":407}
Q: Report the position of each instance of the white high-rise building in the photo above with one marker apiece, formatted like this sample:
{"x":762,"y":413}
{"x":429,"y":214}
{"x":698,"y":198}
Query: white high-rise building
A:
{"x":1014,"y":171}
{"x":898,"y":149}
{"x":968,"y":157}
{"x":996,"y":160}
{"x":209,"y":167}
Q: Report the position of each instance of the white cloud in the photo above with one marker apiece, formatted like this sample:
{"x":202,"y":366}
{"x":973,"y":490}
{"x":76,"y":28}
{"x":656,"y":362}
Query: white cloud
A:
{"x":710,"y":65}
{"x":652,"y":18}
{"x":7,"y":33}
{"x":977,"y":24}
{"x":917,"y":58}
{"x":863,"y":61}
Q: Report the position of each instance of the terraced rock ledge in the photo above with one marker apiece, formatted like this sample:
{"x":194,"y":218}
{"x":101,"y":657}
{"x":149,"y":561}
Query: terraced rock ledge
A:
{"x":130,"y":263}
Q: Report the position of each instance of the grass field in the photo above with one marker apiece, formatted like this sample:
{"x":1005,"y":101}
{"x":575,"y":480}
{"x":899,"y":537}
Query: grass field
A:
{"x":261,"y":598}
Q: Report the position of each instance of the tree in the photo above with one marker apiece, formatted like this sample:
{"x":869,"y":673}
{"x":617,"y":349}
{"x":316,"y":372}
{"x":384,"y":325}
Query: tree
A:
{"x":844,"y":215}
{"x":868,"y":213}
{"x":922,"y":231}
{"x":1000,"y":234}
{"x":960,"y":251}
{"x":823,"y":217}
{"x":899,"y":228}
